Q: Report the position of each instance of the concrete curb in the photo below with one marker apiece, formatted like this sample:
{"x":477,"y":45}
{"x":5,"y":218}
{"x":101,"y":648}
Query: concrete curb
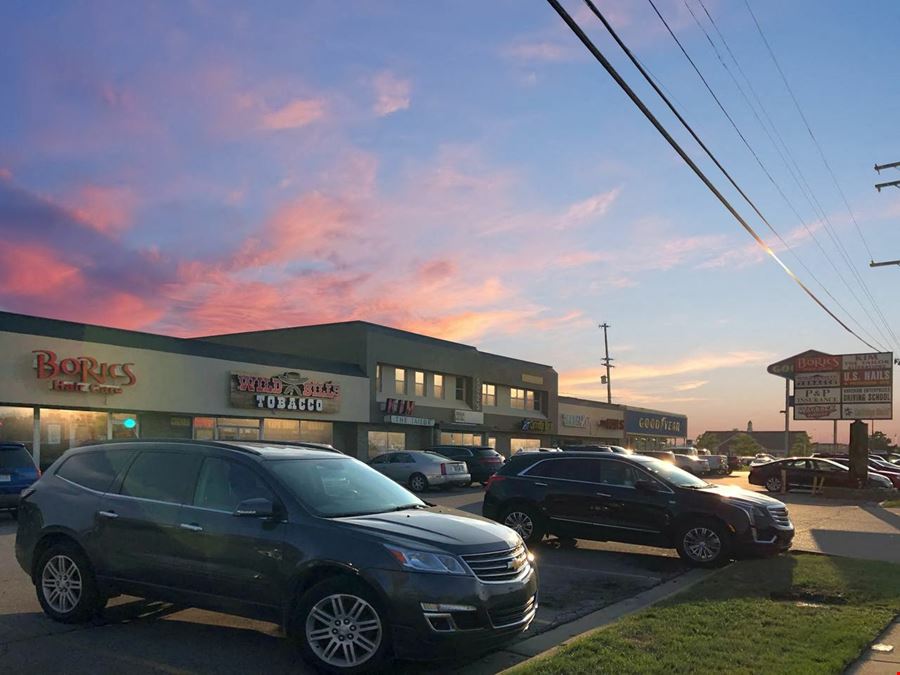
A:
{"x":547,"y":643}
{"x":879,"y":663}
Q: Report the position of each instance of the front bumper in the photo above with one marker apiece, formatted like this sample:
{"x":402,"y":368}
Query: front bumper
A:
{"x":764,"y":540}
{"x":502,"y":611}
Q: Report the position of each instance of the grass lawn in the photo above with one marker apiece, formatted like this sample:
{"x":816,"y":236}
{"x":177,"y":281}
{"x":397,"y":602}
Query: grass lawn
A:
{"x":891,"y":503}
{"x":791,"y":614}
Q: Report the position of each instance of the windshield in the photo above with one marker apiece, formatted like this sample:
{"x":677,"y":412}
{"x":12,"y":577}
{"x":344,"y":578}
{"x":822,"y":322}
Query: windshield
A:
{"x":671,"y":473}
{"x":341,"y":486}
{"x":15,"y":458}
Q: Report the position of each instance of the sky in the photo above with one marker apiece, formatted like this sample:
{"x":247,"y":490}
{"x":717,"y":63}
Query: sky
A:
{"x":461,"y":169}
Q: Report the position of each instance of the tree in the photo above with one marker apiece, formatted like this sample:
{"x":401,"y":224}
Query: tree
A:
{"x":879,"y":442}
{"x":708,"y":440}
{"x":743,"y":445}
{"x":801,"y":446}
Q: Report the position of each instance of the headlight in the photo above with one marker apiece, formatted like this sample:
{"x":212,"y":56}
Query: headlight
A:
{"x":753,"y":511}
{"x":423,"y":561}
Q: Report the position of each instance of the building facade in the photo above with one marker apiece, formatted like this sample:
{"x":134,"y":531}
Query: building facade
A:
{"x":425,"y":391}
{"x":582,"y":421}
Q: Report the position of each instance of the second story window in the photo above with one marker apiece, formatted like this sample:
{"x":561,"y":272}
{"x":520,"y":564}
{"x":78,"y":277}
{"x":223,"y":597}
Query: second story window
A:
{"x":399,"y":381}
{"x":420,"y":383}
{"x":378,"y":385}
{"x":489,"y":395}
{"x":438,"y":385}
{"x":460,"y":389}
{"x":517,"y":398}
{"x":524,"y":399}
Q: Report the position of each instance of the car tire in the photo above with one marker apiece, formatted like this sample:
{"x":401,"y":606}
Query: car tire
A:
{"x":418,"y":483}
{"x":703,"y":543}
{"x":773,"y":484}
{"x":525,"y":521}
{"x":328,"y":640}
{"x":66,"y":586}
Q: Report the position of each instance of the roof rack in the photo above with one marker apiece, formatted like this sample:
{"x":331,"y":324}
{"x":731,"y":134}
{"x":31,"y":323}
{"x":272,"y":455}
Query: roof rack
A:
{"x":179,"y":441}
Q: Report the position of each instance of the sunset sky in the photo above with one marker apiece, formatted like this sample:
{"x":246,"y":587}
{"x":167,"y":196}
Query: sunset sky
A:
{"x":461,"y":169}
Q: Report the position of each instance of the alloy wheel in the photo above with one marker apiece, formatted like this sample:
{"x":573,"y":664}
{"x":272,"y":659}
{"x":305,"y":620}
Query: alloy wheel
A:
{"x":61,"y":584}
{"x":773,"y":484}
{"x":520,"y":522}
{"x":418,"y":483}
{"x":702,"y":544}
{"x":343,"y":630}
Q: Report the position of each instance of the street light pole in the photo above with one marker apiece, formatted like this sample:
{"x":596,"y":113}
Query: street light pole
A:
{"x":606,"y":360}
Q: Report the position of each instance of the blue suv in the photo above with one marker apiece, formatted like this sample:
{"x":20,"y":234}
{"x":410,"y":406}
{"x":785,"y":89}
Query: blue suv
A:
{"x":17,"y":472}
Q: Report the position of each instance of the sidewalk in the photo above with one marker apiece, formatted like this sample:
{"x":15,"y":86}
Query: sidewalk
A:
{"x":529,"y":648}
{"x":880,"y":663}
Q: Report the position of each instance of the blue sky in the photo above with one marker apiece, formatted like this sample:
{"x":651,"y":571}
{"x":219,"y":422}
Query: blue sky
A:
{"x":462,"y":169}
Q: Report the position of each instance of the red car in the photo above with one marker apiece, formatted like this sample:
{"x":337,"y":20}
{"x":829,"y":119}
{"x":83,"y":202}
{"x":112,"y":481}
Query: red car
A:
{"x":875,"y":467}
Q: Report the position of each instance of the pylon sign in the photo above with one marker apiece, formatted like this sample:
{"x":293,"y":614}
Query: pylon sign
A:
{"x":839,"y":387}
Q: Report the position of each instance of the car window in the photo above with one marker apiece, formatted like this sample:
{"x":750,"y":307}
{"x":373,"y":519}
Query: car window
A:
{"x":823,"y":466}
{"x":223,"y":484}
{"x":401,"y":458}
{"x":95,"y":470}
{"x":15,"y":458}
{"x":162,"y":476}
{"x":567,"y":469}
{"x":619,"y":474}
{"x":381,"y":459}
{"x":487,"y":452}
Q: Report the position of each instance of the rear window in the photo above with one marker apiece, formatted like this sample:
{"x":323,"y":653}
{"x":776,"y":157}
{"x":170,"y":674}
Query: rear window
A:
{"x":486,"y":452}
{"x":15,"y":458}
{"x":95,"y":470}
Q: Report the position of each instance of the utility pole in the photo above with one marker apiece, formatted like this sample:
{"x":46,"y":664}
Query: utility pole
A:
{"x":606,"y":361}
{"x":879,"y":186}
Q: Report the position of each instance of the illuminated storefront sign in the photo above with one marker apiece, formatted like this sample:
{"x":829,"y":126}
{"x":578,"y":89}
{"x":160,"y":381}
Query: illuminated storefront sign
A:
{"x":289,"y":391}
{"x":83,"y":374}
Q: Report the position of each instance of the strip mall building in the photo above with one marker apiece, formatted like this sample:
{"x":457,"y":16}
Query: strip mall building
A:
{"x":363,"y":387}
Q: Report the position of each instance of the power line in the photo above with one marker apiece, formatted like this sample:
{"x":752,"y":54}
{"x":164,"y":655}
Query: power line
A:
{"x":809,"y":129}
{"x":575,"y":28}
{"x":652,"y":81}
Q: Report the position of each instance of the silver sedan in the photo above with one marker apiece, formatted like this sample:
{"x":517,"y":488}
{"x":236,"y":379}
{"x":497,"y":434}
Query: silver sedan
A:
{"x":421,"y":470}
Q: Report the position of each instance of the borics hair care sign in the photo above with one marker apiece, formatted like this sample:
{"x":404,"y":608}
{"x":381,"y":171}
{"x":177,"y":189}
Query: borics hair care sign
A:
{"x":82,"y":374}
{"x":289,"y":391}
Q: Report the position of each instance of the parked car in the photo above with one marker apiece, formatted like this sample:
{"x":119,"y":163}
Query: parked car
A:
{"x":663,"y":455}
{"x":689,"y":459}
{"x":353,"y":566}
{"x":17,"y":472}
{"x":634,"y":499}
{"x":588,"y":448}
{"x":527,"y":450}
{"x":718,"y":464}
{"x":421,"y":470}
{"x":735,"y":463}
{"x":761,"y":458}
{"x":482,"y":460}
{"x":891,"y":473}
{"x":800,"y":472}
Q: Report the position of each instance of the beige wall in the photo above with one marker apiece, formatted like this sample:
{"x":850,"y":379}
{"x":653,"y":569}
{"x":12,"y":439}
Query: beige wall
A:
{"x":165,"y":382}
{"x":592,"y":417}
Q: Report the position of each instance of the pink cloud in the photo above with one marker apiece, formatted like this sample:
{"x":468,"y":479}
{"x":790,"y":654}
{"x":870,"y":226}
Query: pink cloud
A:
{"x":31,"y":270}
{"x":392,"y":93}
{"x":5,"y":173}
{"x":593,"y":207}
{"x":298,"y":113}
{"x":542,"y":51}
{"x":103,"y":208}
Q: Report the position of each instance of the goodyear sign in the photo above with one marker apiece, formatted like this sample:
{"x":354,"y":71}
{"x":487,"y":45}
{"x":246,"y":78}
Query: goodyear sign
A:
{"x":640,"y":423}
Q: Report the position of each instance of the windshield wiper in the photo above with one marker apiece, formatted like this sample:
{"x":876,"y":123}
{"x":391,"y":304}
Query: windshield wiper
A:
{"x":407,"y":507}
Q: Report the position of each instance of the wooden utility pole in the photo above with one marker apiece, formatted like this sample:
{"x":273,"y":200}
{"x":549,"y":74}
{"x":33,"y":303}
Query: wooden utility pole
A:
{"x":606,"y":361}
{"x":878,"y":186}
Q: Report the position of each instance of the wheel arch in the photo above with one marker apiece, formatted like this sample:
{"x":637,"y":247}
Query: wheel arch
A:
{"x":51,"y":538}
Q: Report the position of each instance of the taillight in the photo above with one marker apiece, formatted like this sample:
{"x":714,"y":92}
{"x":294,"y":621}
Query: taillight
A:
{"x":496,"y":478}
{"x":443,"y":469}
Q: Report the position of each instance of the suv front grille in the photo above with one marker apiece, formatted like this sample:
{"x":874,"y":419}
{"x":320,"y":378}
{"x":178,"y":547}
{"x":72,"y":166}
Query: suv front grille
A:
{"x":498,"y":565}
{"x":780,"y":516}
{"x":512,"y":615}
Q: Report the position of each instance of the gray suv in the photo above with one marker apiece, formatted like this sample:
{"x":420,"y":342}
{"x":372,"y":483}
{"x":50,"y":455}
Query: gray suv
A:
{"x":354,"y":567}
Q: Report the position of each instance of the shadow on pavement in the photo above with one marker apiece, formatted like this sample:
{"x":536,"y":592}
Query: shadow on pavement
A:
{"x":866,"y":545}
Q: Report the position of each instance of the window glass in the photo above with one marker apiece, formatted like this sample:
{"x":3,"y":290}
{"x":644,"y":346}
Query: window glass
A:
{"x":460,"y":388}
{"x":17,"y":424}
{"x":316,"y":432}
{"x":64,"y":429}
{"x":223,"y":485}
{"x":517,"y":398}
{"x":237,"y":429}
{"x":15,"y":458}
{"x":383,"y":441}
{"x":281,"y":430}
{"x":457,"y":438}
{"x":204,"y":428}
{"x":619,"y":474}
{"x":516,"y":444}
{"x":823,"y":466}
{"x":438,"y":385}
{"x":569,"y":469}
{"x":401,"y":458}
{"x":399,"y":381}
{"x":420,"y":383}
{"x":378,"y":386}
{"x":489,"y":395}
{"x":381,"y":459}
{"x":95,"y":470}
{"x":162,"y":476}
{"x":124,"y":425}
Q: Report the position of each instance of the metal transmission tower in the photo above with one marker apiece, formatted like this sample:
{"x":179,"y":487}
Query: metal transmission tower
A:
{"x":606,"y":362}
{"x":878,"y":186}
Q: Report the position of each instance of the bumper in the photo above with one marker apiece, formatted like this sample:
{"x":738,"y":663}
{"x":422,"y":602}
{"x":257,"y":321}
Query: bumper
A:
{"x":481,"y":473}
{"x":499,"y":613}
{"x":764,"y":541}
{"x":10,"y":500}
{"x":449,"y":479}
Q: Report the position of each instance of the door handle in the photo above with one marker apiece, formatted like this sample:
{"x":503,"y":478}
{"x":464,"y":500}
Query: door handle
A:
{"x":108,"y":514}
{"x":191,"y":526}
{"x":541,"y":484}
{"x":602,"y":494}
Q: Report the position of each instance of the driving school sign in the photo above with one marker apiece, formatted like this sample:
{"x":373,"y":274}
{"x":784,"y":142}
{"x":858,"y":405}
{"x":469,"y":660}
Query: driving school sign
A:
{"x":839,"y":387}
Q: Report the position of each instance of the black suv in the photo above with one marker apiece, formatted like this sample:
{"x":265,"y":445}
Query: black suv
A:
{"x":483,"y":461}
{"x":634,"y":499}
{"x":352,"y":565}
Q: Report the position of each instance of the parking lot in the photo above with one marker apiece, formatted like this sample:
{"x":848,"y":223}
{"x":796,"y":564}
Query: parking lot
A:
{"x":140,"y":637}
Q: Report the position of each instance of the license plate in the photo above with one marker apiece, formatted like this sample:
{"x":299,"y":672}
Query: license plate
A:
{"x":5,"y":478}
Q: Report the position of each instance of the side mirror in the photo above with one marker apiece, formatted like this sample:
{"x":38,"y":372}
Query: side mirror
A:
{"x":256,"y":508}
{"x":646,"y":486}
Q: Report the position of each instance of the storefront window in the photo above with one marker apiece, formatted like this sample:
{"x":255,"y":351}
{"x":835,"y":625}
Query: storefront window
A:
{"x":383,"y":441}
{"x":516,"y":444}
{"x":17,"y":424}
{"x":459,"y":438}
{"x":124,"y":425}
{"x":64,"y":429}
{"x":317,"y":432}
{"x":204,"y":428}
{"x":281,"y":430}
{"x":237,"y":429}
